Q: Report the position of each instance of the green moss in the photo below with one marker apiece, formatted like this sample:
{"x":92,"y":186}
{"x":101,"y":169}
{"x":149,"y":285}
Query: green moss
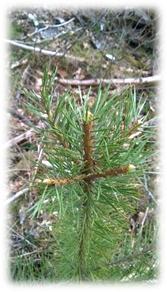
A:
{"x":93,"y":58}
{"x":15,"y":30}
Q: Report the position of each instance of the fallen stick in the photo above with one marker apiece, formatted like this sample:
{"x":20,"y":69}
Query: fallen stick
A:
{"x":17,"y":195}
{"x":144,"y":219}
{"x":19,"y":138}
{"x":18,"y":63}
{"x":26,"y":254}
{"x":114,"y":81}
{"x":43,"y":51}
{"x":14,"y":112}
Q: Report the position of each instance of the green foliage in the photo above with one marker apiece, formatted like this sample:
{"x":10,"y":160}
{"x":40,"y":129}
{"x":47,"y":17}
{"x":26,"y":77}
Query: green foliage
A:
{"x":90,"y":238}
{"x":15,"y":30}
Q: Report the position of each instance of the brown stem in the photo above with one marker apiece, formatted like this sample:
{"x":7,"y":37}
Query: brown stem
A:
{"x":86,"y":205}
{"x":88,"y":177}
{"x":88,"y":146}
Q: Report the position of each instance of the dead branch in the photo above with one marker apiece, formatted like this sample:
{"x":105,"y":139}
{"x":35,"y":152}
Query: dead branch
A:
{"x":115,"y":81}
{"x":14,"y":112}
{"x":17,"y":195}
{"x":26,"y":254}
{"x":43,"y":51}
{"x":19,"y":138}
{"x":18,"y":63}
{"x":144,"y":219}
{"x":50,"y":26}
{"x":37,"y":163}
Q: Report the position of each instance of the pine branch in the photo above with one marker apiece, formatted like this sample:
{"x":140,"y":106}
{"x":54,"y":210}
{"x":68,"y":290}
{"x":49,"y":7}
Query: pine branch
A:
{"x":93,"y":213}
{"x":88,"y":177}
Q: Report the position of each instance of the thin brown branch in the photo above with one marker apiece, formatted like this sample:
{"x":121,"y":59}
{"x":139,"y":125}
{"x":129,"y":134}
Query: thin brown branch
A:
{"x":92,"y":176}
{"x":113,"y":81}
{"x":112,"y":172}
{"x":88,"y":143}
{"x":86,"y":205}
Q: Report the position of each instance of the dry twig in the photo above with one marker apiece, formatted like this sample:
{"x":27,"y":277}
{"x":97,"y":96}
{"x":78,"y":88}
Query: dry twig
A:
{"x":18,"y":63}
{"x":43,"y":51}
{"x":17,"y":195}
{"x":50,"y":26}
{"x":144,"y":219}
{"x":113,"y":81}
{"x":19,"y":138}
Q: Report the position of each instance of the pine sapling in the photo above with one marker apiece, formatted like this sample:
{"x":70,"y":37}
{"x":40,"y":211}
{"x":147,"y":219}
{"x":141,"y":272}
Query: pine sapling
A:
{"x":97,"y":153}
